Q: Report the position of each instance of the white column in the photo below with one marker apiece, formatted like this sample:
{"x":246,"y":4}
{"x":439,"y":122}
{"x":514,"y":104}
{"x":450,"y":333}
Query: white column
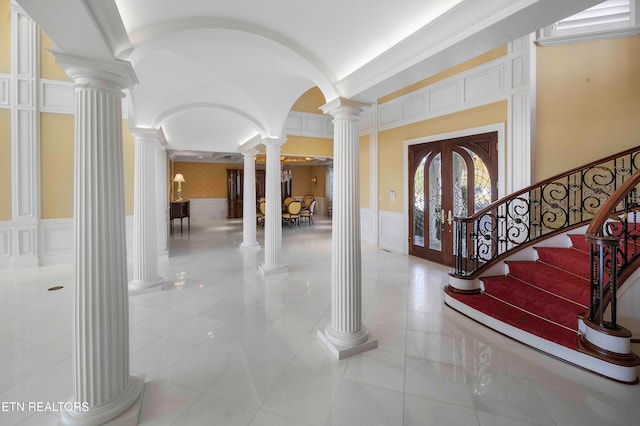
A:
{"x":145,"y":248}
{"x":100,"y":353}
{"x":249,"y":240}
{"x":25,"y":140}
{"x":273,"y":214}
{"x":346,"y":335}
{"x":162,"y":200}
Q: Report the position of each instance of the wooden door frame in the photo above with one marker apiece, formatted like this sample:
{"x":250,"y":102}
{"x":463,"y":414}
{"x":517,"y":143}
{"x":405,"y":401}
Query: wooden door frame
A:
{"x":500,"y":128}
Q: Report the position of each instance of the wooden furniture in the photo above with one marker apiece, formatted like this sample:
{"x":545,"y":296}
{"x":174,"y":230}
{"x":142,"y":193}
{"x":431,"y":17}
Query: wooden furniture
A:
{"x":180,"y":210}
{"x":235,"y":183}
{"x":293,"y":212}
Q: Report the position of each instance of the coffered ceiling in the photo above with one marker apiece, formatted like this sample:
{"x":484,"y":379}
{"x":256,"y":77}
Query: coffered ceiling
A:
{"x":215,"y":74}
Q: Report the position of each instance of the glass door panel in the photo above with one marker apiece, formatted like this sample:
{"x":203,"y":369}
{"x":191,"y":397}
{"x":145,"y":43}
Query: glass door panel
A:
{"x":435,"y":203}
{"x":418,"y":204}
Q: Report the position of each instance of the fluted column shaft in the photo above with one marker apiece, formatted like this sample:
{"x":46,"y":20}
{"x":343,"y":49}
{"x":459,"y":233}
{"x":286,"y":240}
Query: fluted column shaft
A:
{"x":100,"y":353}
{"x":346,"y":329}
{"x":273,"y":210}
{"x":249,"y":201}
{"x":162,"y":200}
{"x":145,"y":248}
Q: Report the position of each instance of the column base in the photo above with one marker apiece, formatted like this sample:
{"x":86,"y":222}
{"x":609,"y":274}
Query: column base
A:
{"x":345,"y":351}
{"x":123,"y":411}
{"x":249,"y":246}
{"x":144,"y":284}
{"x":272,"y":270}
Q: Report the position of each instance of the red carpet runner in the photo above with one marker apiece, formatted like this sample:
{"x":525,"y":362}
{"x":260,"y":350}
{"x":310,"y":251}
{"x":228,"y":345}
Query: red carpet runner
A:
{"x":542,"y":297}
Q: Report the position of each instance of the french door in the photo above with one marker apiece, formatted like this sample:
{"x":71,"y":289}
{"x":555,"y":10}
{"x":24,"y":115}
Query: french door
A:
{"x":448,"y":178}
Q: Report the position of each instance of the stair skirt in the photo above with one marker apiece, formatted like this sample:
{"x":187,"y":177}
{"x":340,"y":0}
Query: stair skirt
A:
{"x":624,"y":374}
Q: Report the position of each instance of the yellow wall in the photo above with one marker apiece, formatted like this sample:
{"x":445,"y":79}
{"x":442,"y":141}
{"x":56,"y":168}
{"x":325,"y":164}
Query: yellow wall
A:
{"x":300,"y":145}
{"x":203,"y":180}
{"x":588,"y":103}
{"x":56,"y":165}
{"x":49,"y":69}
{"x":5,"y":36}
{"x":209,"y":180}
{"x":365,"y":167}
{"x":5,"y":164}
{"x":391,"y":142}
{"x":319,"y":188}
{"x":310,"y":101}
{"x":301,"y":183}
{"x":467,"y":65}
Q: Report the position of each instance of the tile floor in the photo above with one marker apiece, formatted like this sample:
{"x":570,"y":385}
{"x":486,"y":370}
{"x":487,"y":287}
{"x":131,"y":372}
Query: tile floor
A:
{"x":220,"y":345}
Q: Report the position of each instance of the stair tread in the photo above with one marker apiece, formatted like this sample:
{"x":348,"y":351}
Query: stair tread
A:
{"x":579,"y":242}
{"x":569,"y":259}
{"x":546,"y":277}
{"x":534,"y":300}
{"x":515,"y":317}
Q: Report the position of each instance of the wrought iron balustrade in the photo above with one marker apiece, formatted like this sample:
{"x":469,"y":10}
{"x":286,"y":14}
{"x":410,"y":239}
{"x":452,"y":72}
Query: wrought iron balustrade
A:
{"x":614,"y":235}
{"x":552,"y":206}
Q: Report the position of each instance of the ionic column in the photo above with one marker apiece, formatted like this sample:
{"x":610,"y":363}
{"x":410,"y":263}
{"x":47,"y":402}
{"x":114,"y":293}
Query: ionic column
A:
{"x":100,"y":352}
{"x":249,"y":240}
{"x":273,"y":214}
{"x":346,"y":335}
{"x":145,"y":248}
{"x":162,"y":200}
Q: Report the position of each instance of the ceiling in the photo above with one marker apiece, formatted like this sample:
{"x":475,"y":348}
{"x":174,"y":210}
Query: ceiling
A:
{"x":216,"y":74}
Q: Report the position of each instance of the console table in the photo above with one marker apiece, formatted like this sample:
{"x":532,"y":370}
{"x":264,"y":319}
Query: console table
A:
{"x":180,"y":210}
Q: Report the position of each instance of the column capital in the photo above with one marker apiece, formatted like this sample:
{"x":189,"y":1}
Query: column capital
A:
{"x":113,"y":75}
{"x":145,"y":134}
{"x":344,"y":109}
{"x":251,"y":152}
{"x":274,"y":141}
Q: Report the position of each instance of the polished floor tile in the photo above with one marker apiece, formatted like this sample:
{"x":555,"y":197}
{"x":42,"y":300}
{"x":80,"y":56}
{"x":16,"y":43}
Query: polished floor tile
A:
{"x":221,"y":345}
{"x":428,"y":412}
{"x":360,"y":404}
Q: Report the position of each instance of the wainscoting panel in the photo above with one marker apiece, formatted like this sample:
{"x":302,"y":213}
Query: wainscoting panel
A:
{"x":392,"y":234}
{"x":208,"y":208}
{"x":56,"y":241}
{"x":308,"y":124}
{"x":4,"y":90}
{"x":368,"y":226}
{"x":57,"y":97}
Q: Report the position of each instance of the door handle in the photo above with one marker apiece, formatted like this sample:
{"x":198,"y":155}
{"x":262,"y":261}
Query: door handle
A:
{"x":449,"y":218}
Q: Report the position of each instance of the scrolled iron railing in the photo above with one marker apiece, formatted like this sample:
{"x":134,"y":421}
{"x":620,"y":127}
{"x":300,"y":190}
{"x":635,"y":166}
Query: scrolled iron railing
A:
{"x":552,"y":206}
{"x":614,"y":235}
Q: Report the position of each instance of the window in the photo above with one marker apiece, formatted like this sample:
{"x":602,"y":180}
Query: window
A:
{"x":609,"y":19}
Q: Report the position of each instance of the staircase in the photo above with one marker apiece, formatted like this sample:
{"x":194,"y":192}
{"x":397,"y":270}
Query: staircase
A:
{"x":560,"y":300}
{"x":542,"y":297}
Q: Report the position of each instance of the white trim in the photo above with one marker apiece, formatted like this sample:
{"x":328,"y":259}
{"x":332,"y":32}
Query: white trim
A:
{"x":481,"y":85}
{"x":5,"y":92}
{"x":309,"y":125}
{"x":498,"y":127}
{"x":591,"y":36}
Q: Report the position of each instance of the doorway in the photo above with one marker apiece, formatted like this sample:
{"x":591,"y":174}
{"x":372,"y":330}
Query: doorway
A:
{"x":448,"y":178}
